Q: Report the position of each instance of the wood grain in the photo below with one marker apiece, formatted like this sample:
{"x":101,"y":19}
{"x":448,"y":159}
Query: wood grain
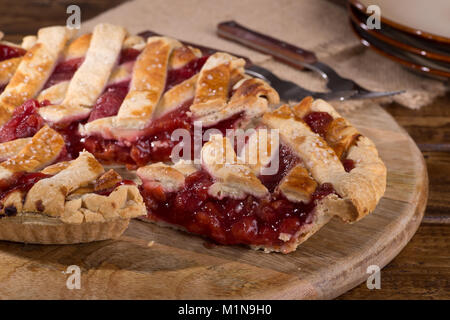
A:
{"x":422,"y":269}
{"x":179,"y":265}
{"x":430,"y":128}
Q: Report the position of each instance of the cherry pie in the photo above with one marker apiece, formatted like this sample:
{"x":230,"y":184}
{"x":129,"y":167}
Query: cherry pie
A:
{"x":70,"y":106}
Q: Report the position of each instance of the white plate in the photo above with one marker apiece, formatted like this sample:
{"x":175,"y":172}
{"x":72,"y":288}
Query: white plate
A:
{"x":431,"y":16}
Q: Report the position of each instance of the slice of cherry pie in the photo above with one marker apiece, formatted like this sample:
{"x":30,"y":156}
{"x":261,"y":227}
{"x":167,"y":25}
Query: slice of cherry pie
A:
{"x":44,"y":199}
{"x":67,"y":104}
{"x":232,"y":200}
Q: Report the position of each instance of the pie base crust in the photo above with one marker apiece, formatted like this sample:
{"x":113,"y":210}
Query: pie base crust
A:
{"x":39,"y":229}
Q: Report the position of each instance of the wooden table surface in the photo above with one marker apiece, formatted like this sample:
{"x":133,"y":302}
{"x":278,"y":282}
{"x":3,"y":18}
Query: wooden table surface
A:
{"x":422,"y":269}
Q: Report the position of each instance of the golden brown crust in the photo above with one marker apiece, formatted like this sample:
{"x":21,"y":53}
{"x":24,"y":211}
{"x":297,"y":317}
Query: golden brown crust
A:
{"x":7,"y":69}
{"x":48,"y":195}
{"x":297,"y":185}
{"x":370,"y":166}
{"x":362,"y":188}
{"x":10,"y":149}
{"x":91,"y":77}
{"x":55,"y":94}
{"x":11,"y":203}
{"x":42,"y":150}
{"x":213,"y":84}
{"x":107,"y":180}
{"x":252,"y":98}
{"x":232,"y":178}
{"x":160,"y":174}
{"x":260,"y":149}
{"x":182,"y":56}
{"x":147,"y":84}
{"x":65,"y":114}
{"x":34,"y":69}
{"x":50,"y":212}
{"x":78,"y":47}
{"x":174,"y":97}
{"x":341,"y":136}
{"x":146,"y":88}
{"x":368,"y":179}
{"x":56,"y":168}
{"x":59,"y":196}
{"x":121,"y":73}
{"x":317,"y":156}
{"x":134,"y":42}
{"x":28,"y":42}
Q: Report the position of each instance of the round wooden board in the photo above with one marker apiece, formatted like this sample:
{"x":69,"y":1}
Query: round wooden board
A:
{"x":150,"y":262}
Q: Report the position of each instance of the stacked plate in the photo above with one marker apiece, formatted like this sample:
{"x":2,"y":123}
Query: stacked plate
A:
{"x":414,"y":33}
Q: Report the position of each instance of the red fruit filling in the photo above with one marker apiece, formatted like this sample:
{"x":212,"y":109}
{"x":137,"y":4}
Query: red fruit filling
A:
{"x":64,"y":71}
{"x":348,"y":164}
{"x":24,"y":122}
{"x":127,"y":55}
{"x":73,"y":141}
{"x":287,"y":161}
{"x":108,"y":104}
{"x":7,"y":52}
{"x":154,"y":145}
{"x":318,"y":122}
{"x":176,"y":76}
{"x":229,"y":221}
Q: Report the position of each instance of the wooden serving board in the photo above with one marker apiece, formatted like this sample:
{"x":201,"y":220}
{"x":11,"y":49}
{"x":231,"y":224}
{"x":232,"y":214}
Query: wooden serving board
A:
{"x":150,"y":262}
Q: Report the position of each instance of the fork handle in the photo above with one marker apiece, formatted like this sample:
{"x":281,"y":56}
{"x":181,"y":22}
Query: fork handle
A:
{"x":280,"y":50}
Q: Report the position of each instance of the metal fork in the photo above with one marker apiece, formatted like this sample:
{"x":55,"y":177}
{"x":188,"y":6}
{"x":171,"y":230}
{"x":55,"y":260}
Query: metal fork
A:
{"x":298,"y":58}
{"x":290,"y":91}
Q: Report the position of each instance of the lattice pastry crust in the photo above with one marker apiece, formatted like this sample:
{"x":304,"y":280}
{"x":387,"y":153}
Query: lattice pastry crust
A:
{"x":72,"y":199}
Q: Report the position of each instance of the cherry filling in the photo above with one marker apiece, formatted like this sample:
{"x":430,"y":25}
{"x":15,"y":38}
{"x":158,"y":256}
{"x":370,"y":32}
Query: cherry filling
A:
{"x":229,"y":221}
{"x":155,"y":145}
{"x":318,"y":122}
{"x":287,"y":161}
{"x":73,"y":141}
{"x":128,"y":54}
{"x":108,"y":104}
{"x":64,"y":71}
{"x":8,"y":52}
{"x":156,"y":142}
{"x":348,"y":164}
{"x":176,"y":76}
{"x":19,"y":182}
{"x":24,"y":122}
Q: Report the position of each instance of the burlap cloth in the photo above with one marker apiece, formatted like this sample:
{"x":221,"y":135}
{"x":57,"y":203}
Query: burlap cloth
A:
{"x":317,"y":25}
